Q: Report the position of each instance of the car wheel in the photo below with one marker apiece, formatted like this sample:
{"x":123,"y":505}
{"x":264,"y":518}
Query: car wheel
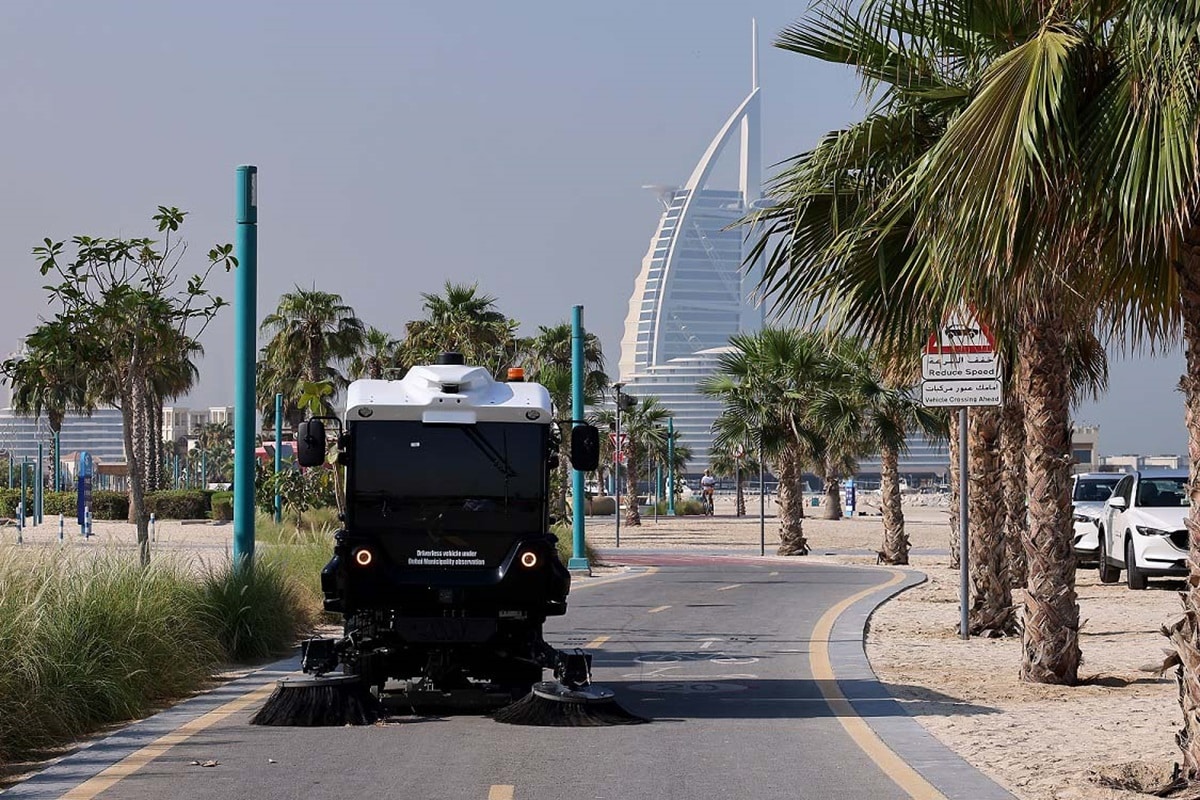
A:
{"x":1108,"y":573}
{"x":1134,"y":577}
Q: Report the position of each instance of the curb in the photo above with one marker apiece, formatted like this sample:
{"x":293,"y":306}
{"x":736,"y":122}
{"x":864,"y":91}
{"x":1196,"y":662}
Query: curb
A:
{"x":949,"y":772}
{"x":95,"y":756}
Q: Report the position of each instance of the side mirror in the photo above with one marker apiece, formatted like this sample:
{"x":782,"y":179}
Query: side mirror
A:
{"x":1117,"y":503}
{"x":310,"y":443}
{"x":585,"y":448}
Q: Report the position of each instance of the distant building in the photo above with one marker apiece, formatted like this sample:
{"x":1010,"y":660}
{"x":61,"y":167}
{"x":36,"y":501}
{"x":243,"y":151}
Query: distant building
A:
{"x":692,"y":294}
{"x":101,"y":434}
{"x":1085,"y":447}
{"x":185,"y":423}
{"x":1133,"y":462}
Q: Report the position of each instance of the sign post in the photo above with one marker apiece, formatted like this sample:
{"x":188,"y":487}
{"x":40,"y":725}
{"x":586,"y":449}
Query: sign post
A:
{"x":960,"y":369}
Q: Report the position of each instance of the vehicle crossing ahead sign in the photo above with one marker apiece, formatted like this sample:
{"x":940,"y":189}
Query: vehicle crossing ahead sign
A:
{"x":961,"y":393}
{"x":960,"y":366}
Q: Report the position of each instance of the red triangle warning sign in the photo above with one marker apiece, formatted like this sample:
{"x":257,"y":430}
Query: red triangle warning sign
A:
{"x":962,"y":332}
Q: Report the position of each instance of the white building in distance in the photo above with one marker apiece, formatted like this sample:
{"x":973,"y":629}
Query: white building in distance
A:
{"x":692,"y":294}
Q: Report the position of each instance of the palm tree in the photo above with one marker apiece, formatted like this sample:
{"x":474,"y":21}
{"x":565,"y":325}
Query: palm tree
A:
{"x":462,"y":321}
{"x":734,"y":460}
{"x":644,"y":426}
{"x":767,"y":383}
{"x":46,"y":378}
{"x":991,"y":81}
{"x":376,"y":354}
{"x":309,"y":334}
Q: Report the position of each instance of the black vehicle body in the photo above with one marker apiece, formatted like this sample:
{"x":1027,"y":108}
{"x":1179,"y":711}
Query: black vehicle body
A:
{"x":445,"y":571}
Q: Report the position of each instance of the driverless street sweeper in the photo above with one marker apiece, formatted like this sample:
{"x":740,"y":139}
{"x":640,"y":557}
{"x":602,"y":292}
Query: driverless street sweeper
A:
{"x":444,"y":570}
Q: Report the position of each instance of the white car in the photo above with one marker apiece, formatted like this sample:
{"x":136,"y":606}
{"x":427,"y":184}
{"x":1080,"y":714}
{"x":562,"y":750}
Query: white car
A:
{"x":1142,"y":528}
{"x":1089,"y":490}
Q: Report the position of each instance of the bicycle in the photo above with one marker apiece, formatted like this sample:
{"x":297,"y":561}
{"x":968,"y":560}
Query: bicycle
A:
{"x":707,"y":500}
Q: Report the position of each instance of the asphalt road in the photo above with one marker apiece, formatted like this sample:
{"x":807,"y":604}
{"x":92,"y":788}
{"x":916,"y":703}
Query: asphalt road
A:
{"x":715,"y":652}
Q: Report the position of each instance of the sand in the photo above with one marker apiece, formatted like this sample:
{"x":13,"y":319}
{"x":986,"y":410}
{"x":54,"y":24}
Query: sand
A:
{"x":1040,"y":742}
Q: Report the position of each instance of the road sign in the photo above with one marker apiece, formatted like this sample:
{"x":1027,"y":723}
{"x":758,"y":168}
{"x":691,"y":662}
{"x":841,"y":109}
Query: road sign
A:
{"x":618,"y":451}
{"x":961,"y":393}
{"x":959,"y":366}
{"x":962,"y":332}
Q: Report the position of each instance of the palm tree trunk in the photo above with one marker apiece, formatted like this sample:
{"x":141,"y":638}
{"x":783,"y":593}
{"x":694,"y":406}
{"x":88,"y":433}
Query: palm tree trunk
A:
{"x":1185,"y":633}
{"x":991,"y":612}
{"x":895,"y":540}
{"x":833,"y":495}
{"x":741,"y":495}
{"x":1050,"y":638}
{"x":55,"y":418}
{"x":1016,"y":508}
{"x":954,"y":499}
{"x":632,"y":517}
{"x":790,"y":499}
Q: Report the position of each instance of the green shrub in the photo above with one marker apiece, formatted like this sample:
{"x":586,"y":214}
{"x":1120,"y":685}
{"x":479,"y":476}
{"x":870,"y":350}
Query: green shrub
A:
{"x":257,"y":612}
{"x":683,"y":508}
{"x":8,"y":502}
{"x":110,"y":505}
{"x":566,"y":544}
{"x":89,"y":641}
{"x":222,"y":506}
{"x":178,"y":504}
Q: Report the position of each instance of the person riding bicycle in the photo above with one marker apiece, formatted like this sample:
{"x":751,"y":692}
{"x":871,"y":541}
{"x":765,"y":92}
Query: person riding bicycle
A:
{"x":708,"y":485}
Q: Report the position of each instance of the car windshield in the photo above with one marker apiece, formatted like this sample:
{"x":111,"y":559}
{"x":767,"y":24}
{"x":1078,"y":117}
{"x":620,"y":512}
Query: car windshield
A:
{"x":1162,"y":492}
{"x":406,"y":475}
{"x":1094,"y":490}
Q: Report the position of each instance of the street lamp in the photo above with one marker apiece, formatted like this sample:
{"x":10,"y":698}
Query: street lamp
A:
{"x":617,"y":459}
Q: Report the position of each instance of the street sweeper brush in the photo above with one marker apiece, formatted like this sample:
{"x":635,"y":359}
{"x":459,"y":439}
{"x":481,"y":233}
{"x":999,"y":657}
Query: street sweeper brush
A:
{"x":332,"y":700}
{"x":553,"y":704}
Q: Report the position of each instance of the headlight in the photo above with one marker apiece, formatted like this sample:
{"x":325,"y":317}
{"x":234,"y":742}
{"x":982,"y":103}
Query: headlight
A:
{"x":1145,"y":530}
{"x":529,"y":559}
{"x":363,"y":557}
{"x":1083,"y":518}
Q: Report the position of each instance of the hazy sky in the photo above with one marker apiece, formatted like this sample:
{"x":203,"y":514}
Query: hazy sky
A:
{"x":403,"y":144}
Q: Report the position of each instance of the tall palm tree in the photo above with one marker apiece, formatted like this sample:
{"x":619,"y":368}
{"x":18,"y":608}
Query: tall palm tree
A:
{"x":767,"y":383}
{"x":645,"y":428}
{"x":975,"y":186}
{"x":465,"y":321}
{"x":376,"y":354}
{"x":308,"y":336}
{"x":734,"y":460}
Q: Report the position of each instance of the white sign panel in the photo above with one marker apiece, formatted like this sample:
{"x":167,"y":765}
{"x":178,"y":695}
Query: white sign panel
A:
{"x":959,"y":366}
{"x":962,"y":332}
{"x":961,"y":393}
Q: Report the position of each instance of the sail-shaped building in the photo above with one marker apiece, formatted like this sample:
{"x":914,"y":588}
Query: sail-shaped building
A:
{"x":693,"y":292}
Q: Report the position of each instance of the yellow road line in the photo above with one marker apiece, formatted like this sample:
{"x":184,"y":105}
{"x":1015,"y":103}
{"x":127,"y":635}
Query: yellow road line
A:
{"x":656,"y":610}
{"x":599,"y":640}
{"x":140,"y":758}
{"x":727,"y":588}
{"x":501,"y":792}
{"x":892,"y":765}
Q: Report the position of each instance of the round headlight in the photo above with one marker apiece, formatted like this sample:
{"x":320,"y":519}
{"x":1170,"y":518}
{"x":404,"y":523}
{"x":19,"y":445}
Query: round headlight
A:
{"x":529,"y":559}
{"x":363,"y":557}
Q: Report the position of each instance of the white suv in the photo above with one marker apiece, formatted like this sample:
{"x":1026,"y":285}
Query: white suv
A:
{"x":1089,"y":490}
{"x":1142,"y":528}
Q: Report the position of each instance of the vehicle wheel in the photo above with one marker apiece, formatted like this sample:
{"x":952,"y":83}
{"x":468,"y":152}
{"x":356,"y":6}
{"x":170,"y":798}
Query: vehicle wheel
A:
{"x":1134,"y":577}
{"x":1108,"y":573}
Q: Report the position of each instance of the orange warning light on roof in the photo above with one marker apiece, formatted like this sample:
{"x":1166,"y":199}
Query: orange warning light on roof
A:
{"x":516,"y":374}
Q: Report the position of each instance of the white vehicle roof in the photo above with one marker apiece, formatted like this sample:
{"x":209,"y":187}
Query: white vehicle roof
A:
{"x":449,"y":394}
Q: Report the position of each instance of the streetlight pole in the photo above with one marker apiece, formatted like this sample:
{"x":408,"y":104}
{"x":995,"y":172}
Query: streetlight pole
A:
{"x":617,"y":460}
{"x":245,"y":349}
{"x":670,"y":466}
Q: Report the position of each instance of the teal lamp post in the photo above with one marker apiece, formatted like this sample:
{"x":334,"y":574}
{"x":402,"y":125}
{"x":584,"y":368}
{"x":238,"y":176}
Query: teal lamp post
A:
{"x":245,"y":308}
{"x":278,"y":455}
{"x":670,"y":466}
{"x":578,"y":552}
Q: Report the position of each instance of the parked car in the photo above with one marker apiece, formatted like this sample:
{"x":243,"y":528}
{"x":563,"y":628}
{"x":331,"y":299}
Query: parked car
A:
{"x":1142,"y":528}
{"x":1089,"y":490}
